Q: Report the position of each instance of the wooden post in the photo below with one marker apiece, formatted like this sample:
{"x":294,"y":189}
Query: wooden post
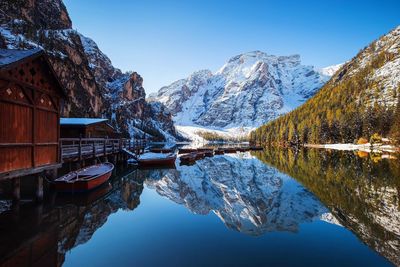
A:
{"x":104,"y":147}
{"x":39,"y":188}
{"x":53,"y":173}
{"x":16,"y":184}
{"x":94,"y":150}
{"x":80,"y":149}
{"x":60,"y":149}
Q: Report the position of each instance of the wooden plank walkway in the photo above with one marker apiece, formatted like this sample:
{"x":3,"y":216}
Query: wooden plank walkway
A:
{"x":76,"y":149}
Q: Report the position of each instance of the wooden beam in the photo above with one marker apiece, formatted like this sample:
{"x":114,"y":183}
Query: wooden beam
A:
{"x":34,"y":129}
{"x":39,"y":187}
{"x":16,"y":187}
{"x":29,"y":171}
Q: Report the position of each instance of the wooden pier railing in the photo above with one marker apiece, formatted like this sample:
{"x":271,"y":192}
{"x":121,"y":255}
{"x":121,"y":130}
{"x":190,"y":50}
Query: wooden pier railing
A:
{"x":74,"y":149}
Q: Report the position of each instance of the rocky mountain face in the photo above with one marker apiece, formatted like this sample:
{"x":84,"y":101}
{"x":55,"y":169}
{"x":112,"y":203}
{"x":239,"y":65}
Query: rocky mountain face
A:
{"x":125,"y":98}
{"x":95,"y":87}
{"x":249,"y":90}
{"x":247,"y":195}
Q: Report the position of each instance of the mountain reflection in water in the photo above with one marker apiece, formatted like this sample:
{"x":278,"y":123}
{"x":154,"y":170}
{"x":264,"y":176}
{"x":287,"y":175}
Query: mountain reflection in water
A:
{"x":362,"y":190}
{"x":244,"y":193}
{"x":261,"y":197}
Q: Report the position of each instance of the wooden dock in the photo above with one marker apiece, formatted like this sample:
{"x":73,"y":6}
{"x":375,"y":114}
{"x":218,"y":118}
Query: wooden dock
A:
{"x":78,"y":149}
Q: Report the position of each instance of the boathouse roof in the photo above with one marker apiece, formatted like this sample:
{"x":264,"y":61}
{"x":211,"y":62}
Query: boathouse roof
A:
{"x":10,"y":56}
{"x":80,"y":121}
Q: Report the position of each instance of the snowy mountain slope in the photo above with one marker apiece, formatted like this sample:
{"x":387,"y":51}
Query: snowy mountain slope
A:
{"x":247,"y":195}
{"x":249,"y":90}
{"x":360,"y":100}
{"x":330,"y":70}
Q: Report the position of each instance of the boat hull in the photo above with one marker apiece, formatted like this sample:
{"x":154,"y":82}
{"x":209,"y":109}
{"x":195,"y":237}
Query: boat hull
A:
{"x":157,"y":162}
{"x":161,"y":150}
{"x":82,"y":186}
{"x":186,"y":150}
{"x":219,"y":152}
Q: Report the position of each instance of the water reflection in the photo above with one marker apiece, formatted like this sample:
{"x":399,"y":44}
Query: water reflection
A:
{"x":270,"y":194}
{"x":362,"y":190}
{"x":247,"y":195}
{"x":41,"y":235}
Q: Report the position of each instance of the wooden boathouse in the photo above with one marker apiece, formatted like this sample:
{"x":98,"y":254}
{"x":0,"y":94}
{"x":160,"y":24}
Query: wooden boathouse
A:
{"x":31,"y":100}
{"x":31,"y":97}
{"x":87,"y":128}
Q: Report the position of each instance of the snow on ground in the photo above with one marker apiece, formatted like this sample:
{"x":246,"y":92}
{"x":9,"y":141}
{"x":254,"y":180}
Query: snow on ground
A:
{"x":151,"y":155}
{"x":364,"y":147}
{"x":330,"y":70}
{"x":190,"y":132}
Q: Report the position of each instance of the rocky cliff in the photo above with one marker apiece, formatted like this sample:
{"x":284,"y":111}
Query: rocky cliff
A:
{"x":95,"y":87}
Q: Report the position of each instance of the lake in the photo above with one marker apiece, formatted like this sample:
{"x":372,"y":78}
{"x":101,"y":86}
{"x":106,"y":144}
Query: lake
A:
{"x":269,"y":208}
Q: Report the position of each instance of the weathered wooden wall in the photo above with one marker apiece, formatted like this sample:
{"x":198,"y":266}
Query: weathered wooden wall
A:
{"x":29,"y":116}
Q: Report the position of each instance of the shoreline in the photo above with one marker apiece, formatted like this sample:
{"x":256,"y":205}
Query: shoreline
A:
{"x":351,"y":147}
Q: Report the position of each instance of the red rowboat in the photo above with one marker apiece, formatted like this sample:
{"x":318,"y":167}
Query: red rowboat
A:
{"x":208,"y":153}
{"x":84,"y":179}
{"x":161,"y":150}
{"x":256,"y":148}
{"x":188,"y":158}
{"x":219,"y":152}
{"x":200,"y":155}
{"x":156,"y":159}
{"x":186,"y":150}
{"x":230,"y":150}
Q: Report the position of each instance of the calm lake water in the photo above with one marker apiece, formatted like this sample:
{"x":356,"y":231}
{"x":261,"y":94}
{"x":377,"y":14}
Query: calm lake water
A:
{"x":272,"y":208}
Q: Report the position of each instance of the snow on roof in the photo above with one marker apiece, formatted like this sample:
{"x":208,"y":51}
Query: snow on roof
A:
{"x":80,"y":121}
{"x":8,"y":56}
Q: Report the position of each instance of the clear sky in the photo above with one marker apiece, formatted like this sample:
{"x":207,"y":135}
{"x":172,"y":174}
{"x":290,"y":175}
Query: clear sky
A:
{"x":166,"y":40}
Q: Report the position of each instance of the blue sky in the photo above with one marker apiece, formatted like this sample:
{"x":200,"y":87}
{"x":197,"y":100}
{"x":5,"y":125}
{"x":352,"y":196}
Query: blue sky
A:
{"x":165,"y":40}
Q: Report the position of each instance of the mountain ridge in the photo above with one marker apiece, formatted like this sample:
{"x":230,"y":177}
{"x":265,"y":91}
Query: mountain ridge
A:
{"x":360,"y":100}
{"x":248,"y":90}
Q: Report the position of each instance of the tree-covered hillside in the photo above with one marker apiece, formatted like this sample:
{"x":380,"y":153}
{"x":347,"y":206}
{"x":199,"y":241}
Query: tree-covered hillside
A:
{"x":360,"y":101}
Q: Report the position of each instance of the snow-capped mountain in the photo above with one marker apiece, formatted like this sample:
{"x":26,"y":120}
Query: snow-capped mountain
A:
{"x":248,"y":91}
{"x":246,"y":194}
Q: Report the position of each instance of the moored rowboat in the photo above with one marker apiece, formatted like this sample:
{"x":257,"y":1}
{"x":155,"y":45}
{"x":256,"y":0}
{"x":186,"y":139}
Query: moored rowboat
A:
{"x":200,"y":155}
{"x":219,"y":152}
{"x":230,"y":150}
{"x":188,"y":158}
{"x":186,"y":150}
{"x":208,"y":153}
{"x":84,"y":179}
{"x":161,"y":150}
{"x":156,"y":159}
{"x":256,"y":148}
